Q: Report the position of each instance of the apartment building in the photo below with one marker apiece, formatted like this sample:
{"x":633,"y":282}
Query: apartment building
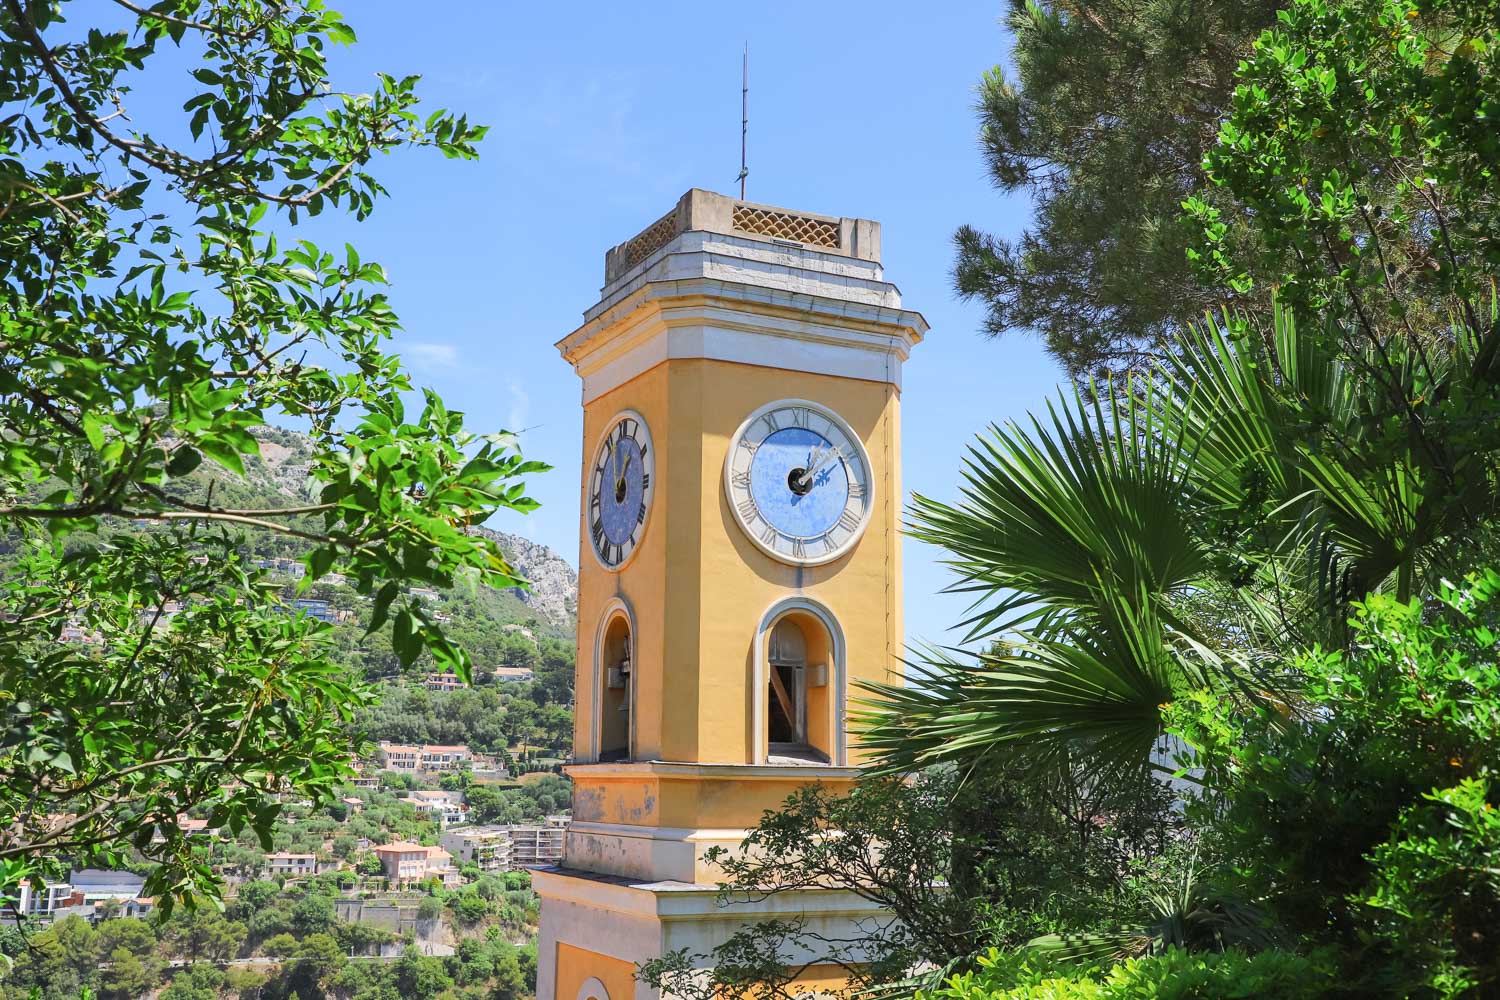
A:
{"x":533,"y":846}
{"x":489,"y":847}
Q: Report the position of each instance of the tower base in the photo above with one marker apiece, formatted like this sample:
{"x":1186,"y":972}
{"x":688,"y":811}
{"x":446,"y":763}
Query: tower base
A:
{"x":597,"y":928}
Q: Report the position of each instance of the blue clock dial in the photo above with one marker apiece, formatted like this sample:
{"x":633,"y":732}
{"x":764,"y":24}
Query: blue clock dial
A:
{"x":620,"y":489}
{"x":620,"y":508}
{"x":798,"y":480}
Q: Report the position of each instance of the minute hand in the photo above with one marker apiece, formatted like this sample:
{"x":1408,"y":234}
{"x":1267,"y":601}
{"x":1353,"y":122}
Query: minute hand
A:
{"x":818,"y":461}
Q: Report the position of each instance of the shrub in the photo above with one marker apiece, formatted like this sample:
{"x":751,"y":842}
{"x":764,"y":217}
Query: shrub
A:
{"x":1172,"y":975}
{"x":1365,"y":822}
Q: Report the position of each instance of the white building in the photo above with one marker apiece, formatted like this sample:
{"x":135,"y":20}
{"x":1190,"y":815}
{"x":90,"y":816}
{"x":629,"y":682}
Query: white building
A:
{"x":444,"y":808}
{"x":284,"y":863}
{"x":489,"y":847}
{"x":41,"y":904}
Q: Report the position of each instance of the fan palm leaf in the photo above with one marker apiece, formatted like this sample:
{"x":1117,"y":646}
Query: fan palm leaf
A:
{"x":1270,"y":469}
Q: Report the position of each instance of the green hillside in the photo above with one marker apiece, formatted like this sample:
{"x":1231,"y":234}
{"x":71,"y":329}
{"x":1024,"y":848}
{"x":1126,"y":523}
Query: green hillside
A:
{"x":530,"y":628}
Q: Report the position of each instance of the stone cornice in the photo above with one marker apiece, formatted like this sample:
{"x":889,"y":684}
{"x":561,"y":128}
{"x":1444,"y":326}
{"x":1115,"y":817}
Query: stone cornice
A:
{"x":685,"y":771}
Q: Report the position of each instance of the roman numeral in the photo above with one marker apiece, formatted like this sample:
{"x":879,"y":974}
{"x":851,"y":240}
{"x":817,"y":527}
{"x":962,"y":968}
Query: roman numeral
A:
{"x":645,"y":480}
{"x":848,"y":520}
{"x":598,"y":533}
{"x":640,"y":515}
{"x":768,"y":537}
{"x":749,"y":445}
{"x":856,"y":489}
{"x":799,"y":548}
{"x":799,"y":418}
{"x":748,"y":509}
{"x":828,"y":545}
{"x":594,"y":501}
{"x":770,"y":419}
{"x":741,"y":479}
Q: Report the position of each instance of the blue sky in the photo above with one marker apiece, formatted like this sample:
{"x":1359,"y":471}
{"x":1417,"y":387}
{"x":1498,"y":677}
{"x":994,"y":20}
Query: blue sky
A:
{"x":601,"y":115}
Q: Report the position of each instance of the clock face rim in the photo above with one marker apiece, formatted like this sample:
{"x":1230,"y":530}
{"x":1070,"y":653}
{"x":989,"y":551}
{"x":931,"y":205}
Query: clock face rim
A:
{"x":647,"y":493}
{"x":832,"y":417}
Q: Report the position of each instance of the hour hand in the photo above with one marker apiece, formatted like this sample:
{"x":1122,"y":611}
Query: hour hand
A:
{"x":814,"y":459}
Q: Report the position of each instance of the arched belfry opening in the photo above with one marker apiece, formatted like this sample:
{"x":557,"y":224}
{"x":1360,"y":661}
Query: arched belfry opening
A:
{"x":612,"y":720}
{"x":799,"y":699}
{"x":787,"y":686}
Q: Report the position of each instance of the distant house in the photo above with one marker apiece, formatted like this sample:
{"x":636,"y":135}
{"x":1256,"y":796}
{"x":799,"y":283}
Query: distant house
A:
{"x":314,"y":608}
{"x":514,"y":674}
{"x":443,"y":681}
{"x":444,"y":758}
{"x":190,"y":827}
{"x":433,"y":757}
{"x":288,"y":567}
{"x":283,"y":863}
{"x":444,"y":808}
{"x":362,"y":781}
{"x":354,"y":803}
{"x":74,"y":631}
{"x":404,"y":863}
{"x":140,"y":906}
{"x":397,"y":757}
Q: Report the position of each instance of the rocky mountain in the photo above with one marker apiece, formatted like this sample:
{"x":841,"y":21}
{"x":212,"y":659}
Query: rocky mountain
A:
{"x":553,"y":593}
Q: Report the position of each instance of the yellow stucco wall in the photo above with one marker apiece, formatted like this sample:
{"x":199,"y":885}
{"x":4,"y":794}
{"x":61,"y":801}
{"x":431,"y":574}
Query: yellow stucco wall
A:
{"x":694,"y":803}
{"x":699,"y":588}
{"x":823,"y":977}
{"x":575,"y":966}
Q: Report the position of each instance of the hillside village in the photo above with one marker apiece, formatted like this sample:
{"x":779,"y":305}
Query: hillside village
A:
{"x":408,"y":860}
{"x":425,"y":847}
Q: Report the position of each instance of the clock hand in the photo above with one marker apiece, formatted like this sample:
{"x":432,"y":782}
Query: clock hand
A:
{"x":814,"y":457}
{"x":823,"y":460}
{"x":813,"y":467}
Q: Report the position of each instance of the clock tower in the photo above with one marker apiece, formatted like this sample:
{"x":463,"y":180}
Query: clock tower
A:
{"x":740,"y":572}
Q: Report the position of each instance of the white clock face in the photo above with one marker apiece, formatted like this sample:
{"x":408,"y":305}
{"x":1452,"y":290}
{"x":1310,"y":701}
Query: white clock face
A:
{"x":798,"y":480}
{"x":620,"y":489}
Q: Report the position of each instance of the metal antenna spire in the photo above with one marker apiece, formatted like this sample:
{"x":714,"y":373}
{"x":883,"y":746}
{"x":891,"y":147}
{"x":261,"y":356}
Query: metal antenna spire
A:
{"x":744,"y":117}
